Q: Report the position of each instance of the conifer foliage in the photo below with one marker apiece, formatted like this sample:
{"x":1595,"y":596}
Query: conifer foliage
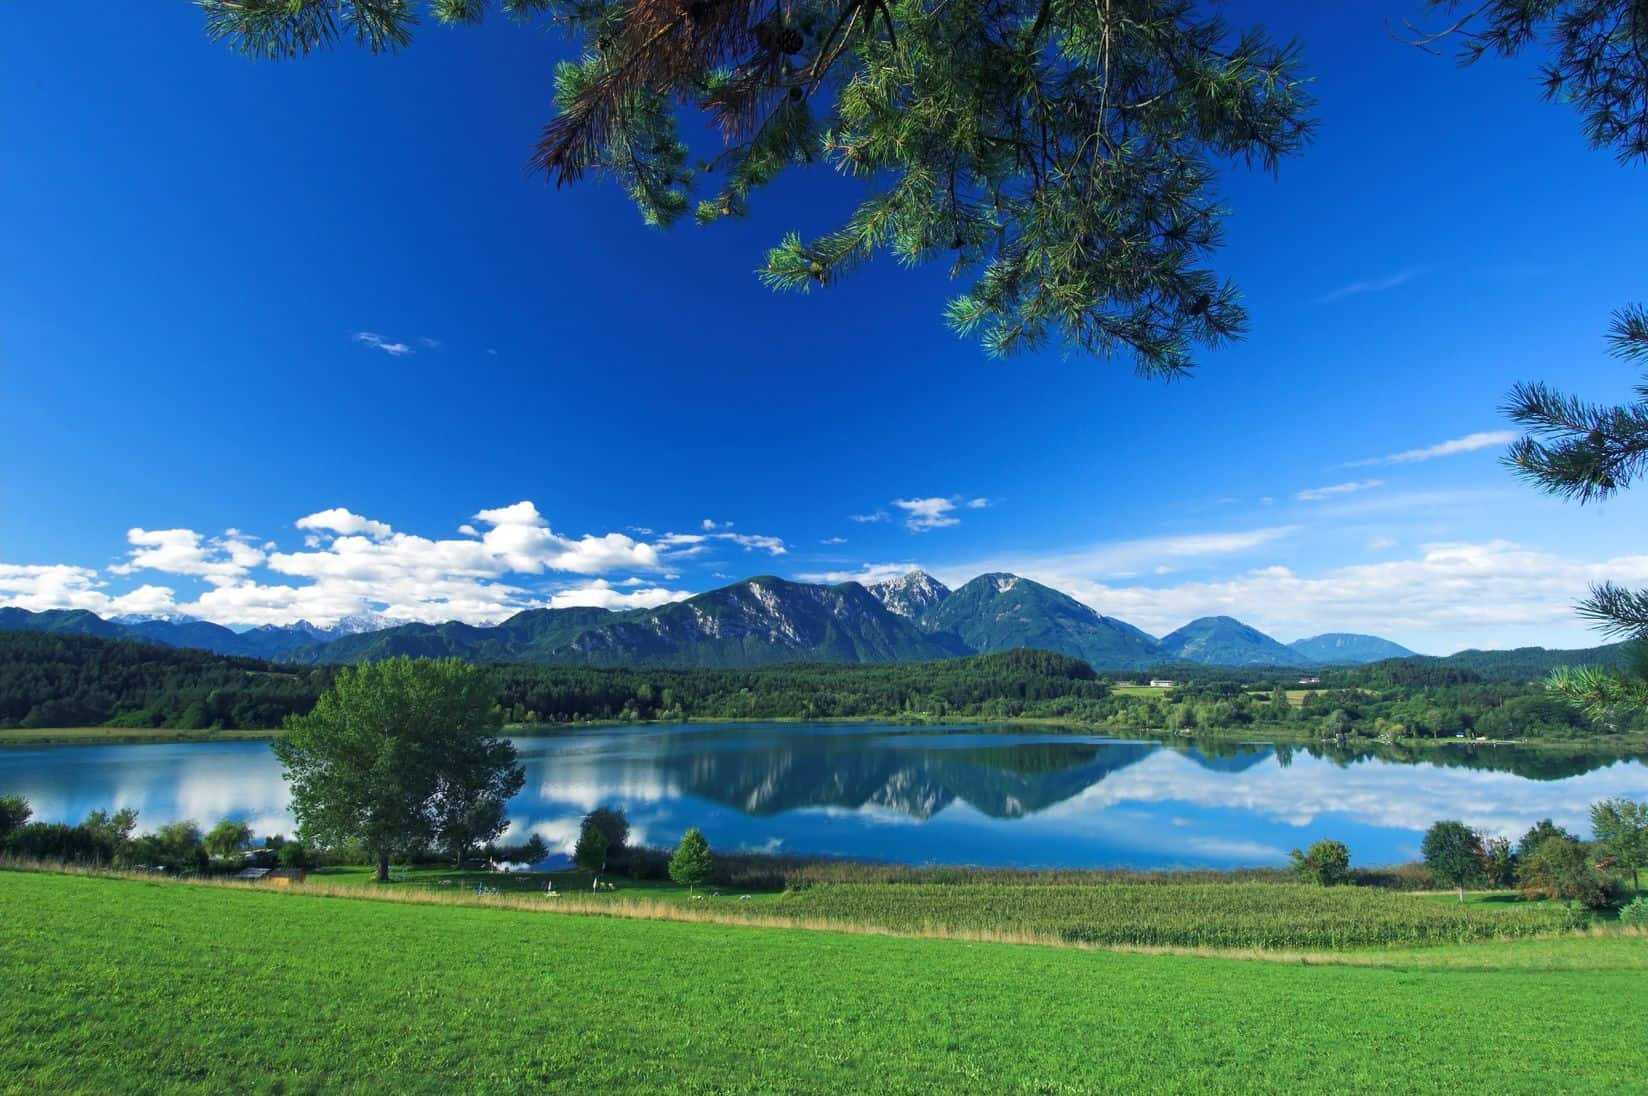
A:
{"x":1060,"y":155}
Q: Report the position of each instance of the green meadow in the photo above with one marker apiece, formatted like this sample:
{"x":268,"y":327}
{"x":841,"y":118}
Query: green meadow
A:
{"x":154,"y":986}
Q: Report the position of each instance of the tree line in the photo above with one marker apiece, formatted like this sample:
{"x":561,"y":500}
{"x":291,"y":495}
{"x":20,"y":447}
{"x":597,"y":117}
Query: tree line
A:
{"x":49,"y":680}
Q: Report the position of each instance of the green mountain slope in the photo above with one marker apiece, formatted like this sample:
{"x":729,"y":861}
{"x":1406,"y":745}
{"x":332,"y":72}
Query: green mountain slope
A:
{"x":1347,"y":648}
{"x":1000,"y":612}
{"x":1226,"y":641}
{"x":758,"y":622}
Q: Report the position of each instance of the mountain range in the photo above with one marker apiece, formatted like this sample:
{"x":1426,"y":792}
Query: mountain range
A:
{"x":268,"y":641}
{"x":760,"y":621}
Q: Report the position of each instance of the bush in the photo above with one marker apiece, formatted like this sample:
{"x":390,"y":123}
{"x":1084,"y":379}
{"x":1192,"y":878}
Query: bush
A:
{"x":1326,"y":863}
{"x":1635,"y":914}
{"x":14,"y":812}
{"x":56,"y":841}
{"x":1560,"y":868}
{"x":292,"y":854}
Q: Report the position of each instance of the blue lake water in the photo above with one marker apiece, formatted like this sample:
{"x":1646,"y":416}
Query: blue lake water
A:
{"x":971,"y":796}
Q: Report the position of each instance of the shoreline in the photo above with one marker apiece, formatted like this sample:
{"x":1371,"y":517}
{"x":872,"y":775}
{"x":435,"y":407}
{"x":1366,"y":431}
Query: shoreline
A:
{"x":1257,"y":734}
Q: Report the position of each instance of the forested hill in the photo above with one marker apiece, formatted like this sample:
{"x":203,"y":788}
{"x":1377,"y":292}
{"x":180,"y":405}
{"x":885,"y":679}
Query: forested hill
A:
{"x":1520,"y":664}
{"x":54,"y":680}
{"x":51,"y":680}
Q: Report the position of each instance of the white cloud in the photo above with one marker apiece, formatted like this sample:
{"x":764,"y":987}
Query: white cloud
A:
{"x":1467,"y":444}
{"x":868,"y":519}
{"x":923,"y":515}
{"x":39,"y":587}
{"x":1380,"y":544}
{"x":710,"y":525}
{"x":1317,"y":494}
{"x":686,"y":544}
{"x":1492,"y":594}
{"x":50,"y":586}
{"x":602,"y":594}
{"x":379,"y":342}
{"x":977,"y":504}
{"x":1112,"y":559}
{"x":1372,"y":285}
{"x":339,"y":520}
{"x":186,"y":552}
{"x":351,"y":563}
{"x":833,"y":540}
{"x":868,"y":573}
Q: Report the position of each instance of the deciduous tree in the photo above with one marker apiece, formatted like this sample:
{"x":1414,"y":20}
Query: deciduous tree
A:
{"x":1325,"y":862}
{"x":591,"y":852}
{"x":227,"y":838}
{"x":1621,"y":827}
{"x":398,"y":756}
{"x":1453,"y":852}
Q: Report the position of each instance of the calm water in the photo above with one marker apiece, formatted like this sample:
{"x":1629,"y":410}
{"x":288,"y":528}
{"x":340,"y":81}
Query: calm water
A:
{"x":892,"y":793}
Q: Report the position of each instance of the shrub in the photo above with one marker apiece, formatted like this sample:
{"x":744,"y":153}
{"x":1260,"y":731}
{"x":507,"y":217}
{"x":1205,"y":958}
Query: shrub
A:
{"x":1326,"y":863}
{"x":292,"y":854}
{"x":56,"y":841}
{"x":14,"y":812}
{"x":1635,"y":914}
{"x":1560,"y":868}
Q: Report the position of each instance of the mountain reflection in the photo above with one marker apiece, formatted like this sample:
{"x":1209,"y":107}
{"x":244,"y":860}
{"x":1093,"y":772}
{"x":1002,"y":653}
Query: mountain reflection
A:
{"x":914,"y":775}
{"x":963,"y":795}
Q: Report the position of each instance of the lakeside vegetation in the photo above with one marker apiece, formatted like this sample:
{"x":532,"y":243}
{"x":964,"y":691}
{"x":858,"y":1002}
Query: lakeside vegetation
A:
{"x":50,"y":681}
{"x":129,"y":977}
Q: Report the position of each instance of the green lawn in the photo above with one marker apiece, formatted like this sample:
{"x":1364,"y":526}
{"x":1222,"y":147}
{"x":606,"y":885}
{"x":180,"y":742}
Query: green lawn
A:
{"x":117,"y":985}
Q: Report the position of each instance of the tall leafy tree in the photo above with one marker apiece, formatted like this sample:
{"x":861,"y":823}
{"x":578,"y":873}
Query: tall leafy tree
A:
{"x":590,"y":853}
{"x":1596,"y":61}
{"x":478,"y":777}
{"x":1453,"y":852}
{"x":399,"y":756}
{"x":227,"y":838}
{"x":1621,"y":826}
{"x":1060,"y":154}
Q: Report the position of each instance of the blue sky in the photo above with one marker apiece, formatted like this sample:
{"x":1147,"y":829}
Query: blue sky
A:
{"x":273,"y":335}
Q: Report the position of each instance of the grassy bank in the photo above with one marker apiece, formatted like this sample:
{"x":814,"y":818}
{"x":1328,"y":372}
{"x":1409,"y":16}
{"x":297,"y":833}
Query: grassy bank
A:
{"x":120,"y":736}
{"x":114,"y":985}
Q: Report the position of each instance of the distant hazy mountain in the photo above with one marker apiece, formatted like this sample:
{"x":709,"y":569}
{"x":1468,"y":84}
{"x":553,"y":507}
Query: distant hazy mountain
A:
{"x":1000,"y":612}
{"x":1226,"y":641}
{"x":535,"y":635}
{"x":176,"y":630}
{"x":911,"y":595}
{"x":1347,"y":648}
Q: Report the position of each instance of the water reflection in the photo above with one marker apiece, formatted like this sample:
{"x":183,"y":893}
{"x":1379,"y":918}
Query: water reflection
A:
{"x":920,"y":796}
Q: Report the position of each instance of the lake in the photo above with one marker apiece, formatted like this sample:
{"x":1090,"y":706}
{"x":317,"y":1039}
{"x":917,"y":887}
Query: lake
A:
{"x":916,"y":795}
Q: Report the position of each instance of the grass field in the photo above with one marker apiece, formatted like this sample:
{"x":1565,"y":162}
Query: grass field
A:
{"x":1159,"y":915}
{"x":111,"y":736}
{"x":115,"y":985}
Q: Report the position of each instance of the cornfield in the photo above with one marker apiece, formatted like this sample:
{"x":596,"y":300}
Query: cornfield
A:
{"x":1227,"y":915}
